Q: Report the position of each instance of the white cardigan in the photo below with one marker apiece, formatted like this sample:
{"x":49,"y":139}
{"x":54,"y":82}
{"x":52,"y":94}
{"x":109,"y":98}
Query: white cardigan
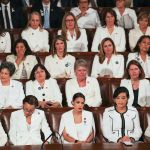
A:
{"x":3,"y":136}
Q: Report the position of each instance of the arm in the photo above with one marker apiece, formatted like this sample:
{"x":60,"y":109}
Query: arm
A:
{"x":29,"y":88}
{"x":84,"y":40}
{"x":95,"y":72}
{"x":3,"y":136}
{"x":132,"y":39}
{"x":8,"y":43}
{"x":46,"y":41}
{"x":11,"y":58}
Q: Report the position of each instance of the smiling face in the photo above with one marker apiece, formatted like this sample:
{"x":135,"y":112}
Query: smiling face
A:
{"x":60,"y":46}
{"x":70,"y":23}
{"x":134,"y":72}
{"x":144,"y":45}
{"x":78,"y":104}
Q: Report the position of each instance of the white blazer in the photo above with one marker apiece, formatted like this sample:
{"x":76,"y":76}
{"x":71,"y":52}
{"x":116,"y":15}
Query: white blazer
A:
{"x":115,"y":66}
{"x":113,"y":123}
{"x":37,"y":39}
{"x":145,"y":65}
{"x":67,"y":123}
{"x":91,"y":91}
{"x":29,"y":62}
{"x":143,"y":95}
{"x":135,"y":34}
{"x":147,"y":131}
{"x":14,"y":96}
{"x":50,"y":91}
{"x":21,"y":133}
{"x":3,"y":136}
{"x":118,"y":36}
{"x":60,"y":67}
{"x":79,"y":45}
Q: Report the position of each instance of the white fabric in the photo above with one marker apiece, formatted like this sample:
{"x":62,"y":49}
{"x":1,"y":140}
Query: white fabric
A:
{"x":92,"y":93}
{"x":118,"y":36}
{"x":60,"y":67}
{"x":147,"y":131}
{"x":21,"y":135}
{"x":3,"y":136}
{"x":67,"y":123}
{"x":116,"y":66}
{"x":112,"y":124}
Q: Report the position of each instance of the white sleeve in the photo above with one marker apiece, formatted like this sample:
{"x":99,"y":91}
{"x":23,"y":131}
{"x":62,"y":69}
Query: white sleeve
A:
{"x":3,"y":136}
{"x":29,"y":88}
{"x":98,"y":23}
{"x":134,"y":17}
{"x":11,"y":59}
{"x":84,"y":46}
{"x":147,"y":87}
{"x":47,"y":64}
{"x":95,"y":72}
{"x":62,"y":125}
{"x":8,"y":43}
{"x":147,"y":131}
{"x":132,"y":39}
{"x":46,"y":41}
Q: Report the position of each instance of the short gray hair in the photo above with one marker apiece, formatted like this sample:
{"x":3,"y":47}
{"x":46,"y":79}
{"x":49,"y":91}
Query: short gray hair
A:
{"x":80,"y":63}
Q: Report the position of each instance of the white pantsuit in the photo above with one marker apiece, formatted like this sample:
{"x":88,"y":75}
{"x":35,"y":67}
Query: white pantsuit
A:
{"x":3,"y":136}
{"x":21,"y":133}
{"x":116,"y":125}
{"x":87,"y":125}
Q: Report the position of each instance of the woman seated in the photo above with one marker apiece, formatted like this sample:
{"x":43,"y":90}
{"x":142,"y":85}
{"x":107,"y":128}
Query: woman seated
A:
{"x":44,"y":88}
{"x":76,"y":38}
{"x":137,"y":85}
{"x":107,"y":63}
{"x":109,"y":29}
{"x":83,"y":83}
{"x":35,"y":35}
{"x":11,"y":91}
{"x":121,"y":123}
{"x":22,"y":59}
{"x":77,"y":125}
{"x":141,"y":54}
{"x":60,"y":64}
{"x":86,"y":17}
{"x":3,"y":136}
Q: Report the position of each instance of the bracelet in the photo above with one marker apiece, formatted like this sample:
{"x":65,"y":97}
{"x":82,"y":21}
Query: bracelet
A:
{"x":75,"y":141}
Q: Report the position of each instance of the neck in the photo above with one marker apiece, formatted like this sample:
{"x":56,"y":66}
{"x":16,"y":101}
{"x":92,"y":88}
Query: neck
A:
{"x":5,"y":83}
{"x":135,"y":79}
{"x":143,"y":29}
{"x":143,"y":53}
{"x":121,"y":109}
{"x":77,"y":112}
{"x":60,"y":55}
{"x":108,"y":55}
{"x":41,"y":82}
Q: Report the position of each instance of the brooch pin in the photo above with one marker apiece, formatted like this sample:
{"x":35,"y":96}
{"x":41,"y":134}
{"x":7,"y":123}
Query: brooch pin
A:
{"x":117,"y":62}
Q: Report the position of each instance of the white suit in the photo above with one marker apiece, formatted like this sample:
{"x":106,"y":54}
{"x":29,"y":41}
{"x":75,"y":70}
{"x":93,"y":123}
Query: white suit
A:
{"x":22,"y":134}
{"x":147,"y":131}
{"x":3,"y":136}
{"x":87,"y":125}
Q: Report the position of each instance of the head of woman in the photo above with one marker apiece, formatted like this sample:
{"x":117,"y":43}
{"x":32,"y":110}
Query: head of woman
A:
{"x":120,"y":4}
{"x":59,"y":45}
{"x":109,"y":17}
{"x":39,"y":73}
{"x":134,"y":71}
{"x":78,"y":102}
{"x":21,"y":47}
{"x":83,"y":5}
{"x":7,"y":69}
{"x":81,"y":69}
{"x":121,"y":96}
{"x":34,"y":20}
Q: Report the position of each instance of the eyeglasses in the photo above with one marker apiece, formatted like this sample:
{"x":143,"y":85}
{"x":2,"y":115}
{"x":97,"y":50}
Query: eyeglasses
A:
{"x":69,"y":20}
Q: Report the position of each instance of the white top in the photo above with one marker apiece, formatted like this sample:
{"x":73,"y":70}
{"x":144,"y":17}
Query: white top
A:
{"x":3,"y":136}
{"x":113,"y":124}
{"x":147,"y":131}
{"x":14,"y":96}
{"x":38,"y":39}
{"x":135,"y":34}
{"x":5,"y":43}
{"x":90,"y":20}
{"x":19,"y":132}
{"x":118,"y":36}
{"x":50,"y":91}
{"x":60,"y":67}
{"x":29,"y":62}
{"x":115,"y":68}
{"x":74,"y":44}
{"x":91,"y":92}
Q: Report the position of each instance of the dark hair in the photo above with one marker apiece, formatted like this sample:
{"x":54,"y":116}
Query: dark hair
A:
{"x":134,"y":62}
{"x":8,"y":65}
{"x":78,"y":95}
{"x":32,"y":76}
{"x":119,"y":90}
{"x":30,"y":99}
{"x":27,"y":51}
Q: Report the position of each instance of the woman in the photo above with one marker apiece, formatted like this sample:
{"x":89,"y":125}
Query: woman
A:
{"x":21,"y":58}
{"x":107,"y":63}
{"x":83,"y":83}
{"x":142,"y":29}
{"x":60,"y":64}
{"x":75,"y":122}
{"x":86,"y":17}
{"x":5,"y":41}
{"x":126,"y":17}
{"x":109,"y":29}
{"x":137,"y":85}
{"x":44,"y":88}
{"x":35,"y":35}
{"x":76,"y":38}
{"x":121,"y":123}
{"x":141,"y":54}
{"x":3,"y":136}
{"x":11,"y":91}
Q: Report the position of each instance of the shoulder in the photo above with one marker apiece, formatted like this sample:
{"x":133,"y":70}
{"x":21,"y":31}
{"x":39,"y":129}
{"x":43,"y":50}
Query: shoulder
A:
{"x":132,"y":109}
{"x":16,"y":113}
{"x":109,"y":109}
{"x":82,"y":30}
{"x":125,"y":80}
{"x":39,"y":112}
{"x":67,"y":114}
{"x":91,"y":79}
{"x":130,"y":10}
{"x":68,"y":56}
{"x":15,"y":82}
{"x":30,"y":57}
{"x":118,"y":56}
{"x":87,"y":113}
{"x":49,"y":57}
{"x":145,"y":81}
{"x":30,"y":82}
{"x":119,"y":28}
{"x":132,"y":54}
{"x":12,"y":56}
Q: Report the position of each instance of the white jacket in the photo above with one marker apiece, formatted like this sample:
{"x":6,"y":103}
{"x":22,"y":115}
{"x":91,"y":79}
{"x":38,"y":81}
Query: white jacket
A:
{"x":147,"y":131}
{"x":3,"y":136}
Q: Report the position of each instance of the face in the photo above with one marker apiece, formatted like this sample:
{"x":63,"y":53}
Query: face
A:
{"x":121,"y":100}
{"x":28,"y":109}
{"x":46,"y":1}
{"x":35,"y":21}
{"x":120,"y":3}
{"x":83,"y":5}
{"x":40,"y":74}
{"x":143,"y":23}
{"x":20,"y":49}
{"x":144,"y":45}
{"x":78,"y":104}
{"x":70,"y":24}
{"x":5,"y":75}
{"x":134,"y":71}
{"x":81,"y":73}
{"x":110,"y":19}
{"x":60,"y":46}
{"x":108,"y":48}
